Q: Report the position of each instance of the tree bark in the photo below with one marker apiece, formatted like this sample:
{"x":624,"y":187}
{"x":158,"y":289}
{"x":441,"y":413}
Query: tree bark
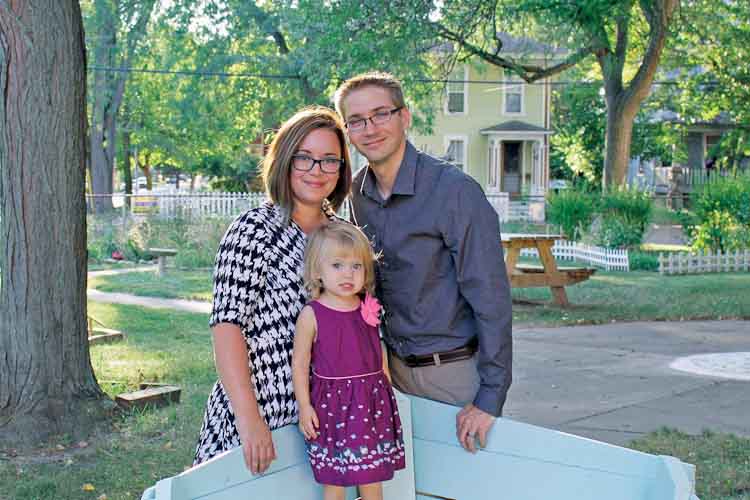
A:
{"x":47,"y":384}
{"x":623,"y":101}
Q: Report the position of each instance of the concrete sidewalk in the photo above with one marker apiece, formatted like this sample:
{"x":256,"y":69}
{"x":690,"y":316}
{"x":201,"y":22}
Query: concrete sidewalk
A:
{"x":614,"y":383}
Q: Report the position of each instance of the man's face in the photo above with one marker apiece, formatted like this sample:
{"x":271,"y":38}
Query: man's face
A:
{"x":380,"y":142}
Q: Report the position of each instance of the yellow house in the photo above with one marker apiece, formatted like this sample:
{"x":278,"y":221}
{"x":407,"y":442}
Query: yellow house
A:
{"x":496,"y":128}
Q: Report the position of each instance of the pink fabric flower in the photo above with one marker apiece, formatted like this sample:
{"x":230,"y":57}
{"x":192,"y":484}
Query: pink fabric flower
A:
{"x":371,"y":310}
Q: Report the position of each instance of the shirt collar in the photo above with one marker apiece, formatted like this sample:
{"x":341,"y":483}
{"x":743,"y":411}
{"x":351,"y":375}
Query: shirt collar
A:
{"x":405,"y":183}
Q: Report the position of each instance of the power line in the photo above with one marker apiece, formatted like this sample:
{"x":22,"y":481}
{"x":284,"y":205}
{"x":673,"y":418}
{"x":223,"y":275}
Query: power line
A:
{"x":266,"y":76}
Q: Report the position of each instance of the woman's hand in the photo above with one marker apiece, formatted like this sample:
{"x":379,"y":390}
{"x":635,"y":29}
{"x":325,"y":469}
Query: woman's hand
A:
{"x":308,"y":422}
{"x":258,"y":447}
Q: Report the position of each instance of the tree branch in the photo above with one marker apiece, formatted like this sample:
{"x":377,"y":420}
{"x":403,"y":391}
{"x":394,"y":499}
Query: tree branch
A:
{"x":528,"y":72}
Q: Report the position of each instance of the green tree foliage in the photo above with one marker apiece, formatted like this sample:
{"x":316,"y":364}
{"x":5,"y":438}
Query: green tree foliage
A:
{"x":617,"y":34}
{"x":580,"y":121}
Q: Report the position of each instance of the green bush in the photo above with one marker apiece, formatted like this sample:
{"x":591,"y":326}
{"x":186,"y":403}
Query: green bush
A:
{"x":728,"y":194}
{"x":643,"y":261}
{"x":616,"y":232}
{"x":196,"y":240}
{"x":572,"y":210}
{"x":632,"y":206}
{"x":721,"y":231}
{"x":625,"y":214}
{"x":722,"y":215}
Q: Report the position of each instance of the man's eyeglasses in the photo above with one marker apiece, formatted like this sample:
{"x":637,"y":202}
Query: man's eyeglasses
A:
{"x":305,"y":163}
{"x":379,"y":118}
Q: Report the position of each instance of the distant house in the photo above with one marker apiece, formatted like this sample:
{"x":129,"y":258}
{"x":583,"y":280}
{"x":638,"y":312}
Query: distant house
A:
{"x":494,"y":126}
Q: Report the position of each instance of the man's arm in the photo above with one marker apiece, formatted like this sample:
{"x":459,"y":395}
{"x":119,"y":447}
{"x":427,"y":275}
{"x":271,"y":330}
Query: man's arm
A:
{"x":473,"y":236}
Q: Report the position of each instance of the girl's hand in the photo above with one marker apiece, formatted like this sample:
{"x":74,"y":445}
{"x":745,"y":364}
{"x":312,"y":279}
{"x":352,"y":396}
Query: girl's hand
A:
{"x":258,"y":447}
{"x":308,"y":422}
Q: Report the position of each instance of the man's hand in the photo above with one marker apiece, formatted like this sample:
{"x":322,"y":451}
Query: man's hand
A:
{"x":308,"y":422}
{"x":471,"y":422}
{"x":258,"y":447}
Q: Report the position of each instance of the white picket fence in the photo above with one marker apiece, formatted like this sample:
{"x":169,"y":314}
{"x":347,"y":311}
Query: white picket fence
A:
{"x":185,"y":204}
{"x":170,"y":205}
{"x":704,"y":262}
{"x":610,"y":260}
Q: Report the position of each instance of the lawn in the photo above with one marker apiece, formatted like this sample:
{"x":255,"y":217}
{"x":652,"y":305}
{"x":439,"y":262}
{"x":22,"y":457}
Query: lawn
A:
{"x":175,"y":284}
{"x":143,"y":446}
{"x":722,"y":460}
{"x":608,"y":296}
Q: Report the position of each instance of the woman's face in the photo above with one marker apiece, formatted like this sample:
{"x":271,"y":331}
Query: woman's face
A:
{"x":313,"y":186}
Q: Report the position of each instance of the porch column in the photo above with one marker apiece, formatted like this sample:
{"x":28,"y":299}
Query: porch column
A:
{"x":537,"y":173}
{"x":494,"y":172}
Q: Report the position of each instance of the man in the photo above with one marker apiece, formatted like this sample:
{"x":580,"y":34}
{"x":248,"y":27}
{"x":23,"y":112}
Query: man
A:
{"x":441,"y":275}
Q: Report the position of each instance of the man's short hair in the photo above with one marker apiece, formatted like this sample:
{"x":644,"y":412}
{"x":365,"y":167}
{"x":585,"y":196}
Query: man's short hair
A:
{"x":371,"y":79}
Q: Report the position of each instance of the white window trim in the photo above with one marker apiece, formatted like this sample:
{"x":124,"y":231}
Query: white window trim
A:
{"x":522,"y":86}
{"x":466,"y":96}
{"x":463,"y":138}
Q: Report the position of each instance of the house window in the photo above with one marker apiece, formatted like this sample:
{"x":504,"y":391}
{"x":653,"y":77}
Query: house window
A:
{"x":513,"y":96}
{"x":455,"y":151}
{"x":457,"y":89}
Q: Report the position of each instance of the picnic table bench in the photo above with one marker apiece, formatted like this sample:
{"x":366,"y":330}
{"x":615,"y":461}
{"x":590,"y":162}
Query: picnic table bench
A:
{"x":161,"y":254}
{"x":545,"y":275}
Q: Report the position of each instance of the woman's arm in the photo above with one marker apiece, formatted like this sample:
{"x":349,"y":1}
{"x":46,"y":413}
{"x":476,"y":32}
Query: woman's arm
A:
{"x":232,"y":363}
{"x":304,"y":336}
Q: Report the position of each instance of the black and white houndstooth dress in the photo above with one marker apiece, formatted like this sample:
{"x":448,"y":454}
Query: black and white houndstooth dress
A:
{"x":258,"y":286}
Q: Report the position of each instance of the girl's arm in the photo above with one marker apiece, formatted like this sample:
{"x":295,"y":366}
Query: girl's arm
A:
{"x":231,"y":354}
{"x":304,"y":336}
{"x":384,"y":354}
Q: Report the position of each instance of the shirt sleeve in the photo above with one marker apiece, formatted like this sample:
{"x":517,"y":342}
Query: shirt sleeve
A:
{"x":472,"y":233}
{"x":239,"y":272}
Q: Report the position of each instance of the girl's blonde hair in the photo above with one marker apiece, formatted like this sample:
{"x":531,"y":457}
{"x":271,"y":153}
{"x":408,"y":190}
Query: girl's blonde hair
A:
{"x":327,"y":240}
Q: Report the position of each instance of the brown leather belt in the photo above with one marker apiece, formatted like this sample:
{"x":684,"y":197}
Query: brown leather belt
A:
{"x":439,"y":358}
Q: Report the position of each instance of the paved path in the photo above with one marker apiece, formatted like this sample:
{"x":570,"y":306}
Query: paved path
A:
{"x":150,"y":302}
{"x":612,"y":382}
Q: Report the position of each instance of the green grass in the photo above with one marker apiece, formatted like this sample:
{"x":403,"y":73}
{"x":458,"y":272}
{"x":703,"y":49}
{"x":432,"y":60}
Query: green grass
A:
{"x":141,"y":446}
{"x":640,"y":296}
{"x":607,"y":296}
{"x":190,"y":285}
{"x":722,"y":460}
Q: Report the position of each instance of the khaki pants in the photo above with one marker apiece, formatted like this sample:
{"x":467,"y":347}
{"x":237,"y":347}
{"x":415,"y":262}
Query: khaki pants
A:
{"x":454,"y":383}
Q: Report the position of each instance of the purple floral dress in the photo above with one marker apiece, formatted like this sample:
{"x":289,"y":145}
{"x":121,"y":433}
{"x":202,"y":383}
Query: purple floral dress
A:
{"x":360,"y":439}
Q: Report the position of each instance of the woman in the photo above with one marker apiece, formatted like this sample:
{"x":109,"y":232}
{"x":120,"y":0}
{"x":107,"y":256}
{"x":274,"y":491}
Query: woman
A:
{"x":258,"y":287}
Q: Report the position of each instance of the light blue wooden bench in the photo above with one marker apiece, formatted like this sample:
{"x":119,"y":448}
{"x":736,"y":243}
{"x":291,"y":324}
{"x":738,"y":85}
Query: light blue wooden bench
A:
{"x":521,"y":462}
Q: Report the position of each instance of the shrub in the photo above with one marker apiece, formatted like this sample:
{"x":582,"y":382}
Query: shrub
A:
{"x":616,"y":232}
{"x":632,"y":206}
{"x":643,"y":261}
{"x":722,"y":215}
{"x":572,"y":210}
{"x":721,"y":231}
{"x":728,"y":194}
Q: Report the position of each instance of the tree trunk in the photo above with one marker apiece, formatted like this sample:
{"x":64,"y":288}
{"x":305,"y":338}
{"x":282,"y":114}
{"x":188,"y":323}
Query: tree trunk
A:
{"x":127,"y":168}
{"x":47,"y":384}
{"x":619,"y":134}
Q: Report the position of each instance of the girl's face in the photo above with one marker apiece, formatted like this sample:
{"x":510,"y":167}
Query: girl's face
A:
{"x":313,"y":186}
{"x":342,"y":273}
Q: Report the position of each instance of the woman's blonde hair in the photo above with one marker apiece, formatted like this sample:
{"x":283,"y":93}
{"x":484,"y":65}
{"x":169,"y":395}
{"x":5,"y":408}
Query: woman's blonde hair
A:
{"x":327,"y":240}
{"x":277,"y":164}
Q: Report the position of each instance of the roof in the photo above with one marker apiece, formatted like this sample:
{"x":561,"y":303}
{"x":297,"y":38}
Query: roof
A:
{"x":516,"y":126}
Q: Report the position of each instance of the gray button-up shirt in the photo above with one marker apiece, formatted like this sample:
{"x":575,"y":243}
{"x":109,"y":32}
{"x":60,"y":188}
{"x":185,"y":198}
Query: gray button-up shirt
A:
{"x":441,"y":275}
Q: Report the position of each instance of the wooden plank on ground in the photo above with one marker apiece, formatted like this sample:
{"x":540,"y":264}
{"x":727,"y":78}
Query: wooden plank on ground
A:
{"x":151,"y":396}
{"x":104,"y":336}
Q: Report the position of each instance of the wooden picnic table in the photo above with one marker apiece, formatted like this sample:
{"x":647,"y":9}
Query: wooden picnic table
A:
{"x":546,"y":275}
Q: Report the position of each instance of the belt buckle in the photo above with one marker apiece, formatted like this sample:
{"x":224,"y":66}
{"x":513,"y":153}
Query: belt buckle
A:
{"x":436,"y":358}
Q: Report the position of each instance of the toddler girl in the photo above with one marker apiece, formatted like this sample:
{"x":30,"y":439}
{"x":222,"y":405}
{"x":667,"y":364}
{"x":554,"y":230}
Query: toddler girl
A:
{"x":347,"y":410}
